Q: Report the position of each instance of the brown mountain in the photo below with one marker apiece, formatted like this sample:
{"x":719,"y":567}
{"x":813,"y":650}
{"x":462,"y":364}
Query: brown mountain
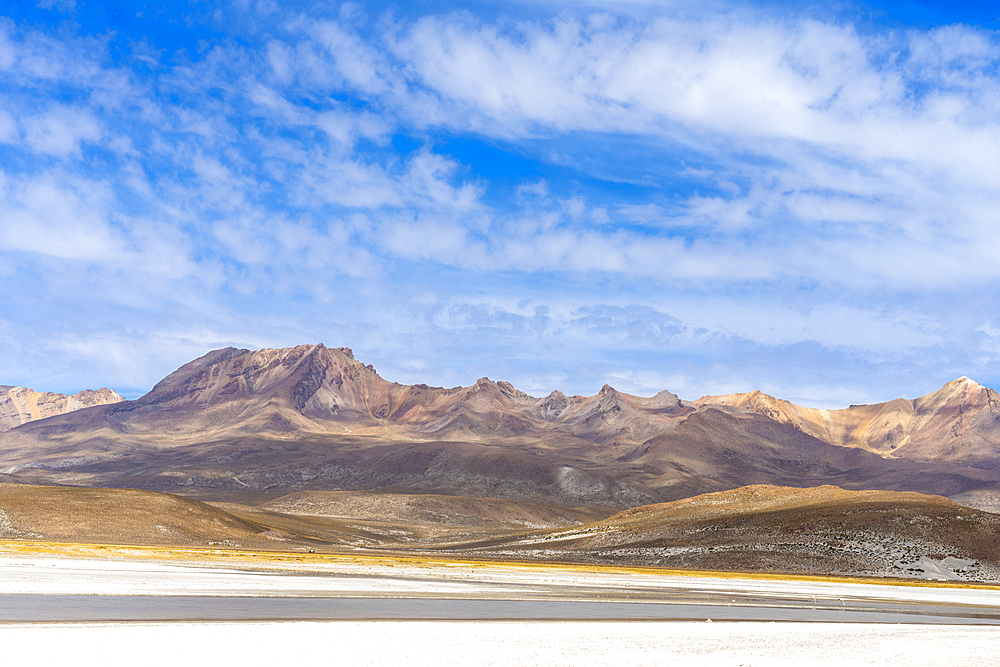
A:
{"x":323,"y":390}
{"x":716,"y":449}
{"x":20,"y":405}
{"x":255,"y":425}
{"x":311,"y":418}
{"x":959,"y":423}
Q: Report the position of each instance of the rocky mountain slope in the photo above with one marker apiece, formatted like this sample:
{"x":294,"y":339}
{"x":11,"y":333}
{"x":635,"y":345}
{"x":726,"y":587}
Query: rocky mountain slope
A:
{"x":244,"y":425}
{"x":20,"y":405}
{"x":959,"y":423}
{"x":324,"y":390}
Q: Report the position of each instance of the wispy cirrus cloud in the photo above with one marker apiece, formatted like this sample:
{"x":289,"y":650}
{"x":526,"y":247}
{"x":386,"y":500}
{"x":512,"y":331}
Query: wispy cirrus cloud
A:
{"x":802,"y":122}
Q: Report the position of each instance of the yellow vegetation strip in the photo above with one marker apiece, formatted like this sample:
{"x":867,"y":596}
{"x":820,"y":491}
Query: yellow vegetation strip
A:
{"x":211,"y":555}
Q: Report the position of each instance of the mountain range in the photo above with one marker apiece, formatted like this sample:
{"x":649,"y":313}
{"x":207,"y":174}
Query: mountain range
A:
{"x":255,"y":425}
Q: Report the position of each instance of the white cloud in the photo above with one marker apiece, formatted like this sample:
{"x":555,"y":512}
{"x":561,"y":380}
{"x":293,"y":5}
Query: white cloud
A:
{"x":8,"y":51}
{"x":805,"y":96}
{"x":642,"y":213}
{"x":64,"y":6}
{"x":538,"y":188}
{"x":357,"y":64}
{"x":648,"y":383}
{"x":60,"y":130}
{"x":8,"y":128}
{"x":62,"y":217}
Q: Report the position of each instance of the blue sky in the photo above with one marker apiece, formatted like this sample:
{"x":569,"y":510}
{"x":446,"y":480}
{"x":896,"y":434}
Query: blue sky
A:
{"x":792,"y":197}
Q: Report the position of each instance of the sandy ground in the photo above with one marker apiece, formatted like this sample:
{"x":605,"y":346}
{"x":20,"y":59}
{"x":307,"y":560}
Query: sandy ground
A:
{"x":499,"y":643}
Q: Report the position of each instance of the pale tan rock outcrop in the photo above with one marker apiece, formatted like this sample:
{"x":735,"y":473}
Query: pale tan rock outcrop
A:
{"x":20,"y":405}
{"x":958,"y":423}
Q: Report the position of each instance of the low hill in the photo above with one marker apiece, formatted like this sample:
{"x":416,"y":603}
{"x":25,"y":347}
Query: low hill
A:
{"x":765,"y":528}
{"x":759,"y":528}
{"x":450,"y":511}
{"x":122,"y":516}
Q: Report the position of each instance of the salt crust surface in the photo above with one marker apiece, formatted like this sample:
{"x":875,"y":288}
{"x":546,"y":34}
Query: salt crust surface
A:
{"x":509,"y":643}
{"x":43,"y":575}
{"x":554,"y":644}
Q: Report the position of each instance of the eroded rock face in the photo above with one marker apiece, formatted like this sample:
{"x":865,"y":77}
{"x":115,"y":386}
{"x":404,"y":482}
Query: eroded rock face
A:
{"x":959,"y":423}
{"x":20,"y":405}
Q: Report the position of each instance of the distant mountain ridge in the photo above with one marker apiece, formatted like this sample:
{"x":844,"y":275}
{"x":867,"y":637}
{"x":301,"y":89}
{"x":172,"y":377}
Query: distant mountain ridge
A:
{"x":959,"y":423}
{"x":264,"y":423}
{"x":20,"y":405}
{"x":315,"y":388}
